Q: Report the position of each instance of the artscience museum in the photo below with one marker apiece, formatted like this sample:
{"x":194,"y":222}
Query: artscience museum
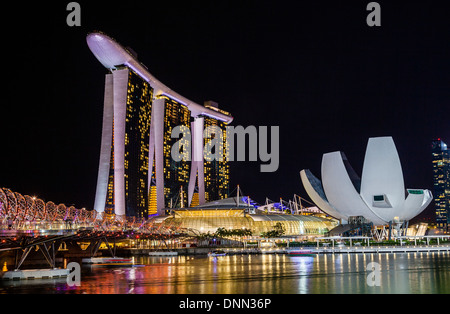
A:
{"x":379,"y":195}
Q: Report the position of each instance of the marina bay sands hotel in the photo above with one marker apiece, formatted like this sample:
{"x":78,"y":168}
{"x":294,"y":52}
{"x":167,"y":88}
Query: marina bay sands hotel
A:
{"x":137,"y":175}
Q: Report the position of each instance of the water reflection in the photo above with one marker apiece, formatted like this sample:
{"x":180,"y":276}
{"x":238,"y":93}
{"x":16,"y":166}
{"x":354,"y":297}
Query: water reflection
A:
{"x":258,"y":274}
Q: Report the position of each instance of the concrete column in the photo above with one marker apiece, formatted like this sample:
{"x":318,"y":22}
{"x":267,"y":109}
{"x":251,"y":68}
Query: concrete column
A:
{"x":120,"y":79}
{"x":197,"y":165}
{"x":156,"y":151}
{"x":151,"y":152}
{"x":105,"y":150}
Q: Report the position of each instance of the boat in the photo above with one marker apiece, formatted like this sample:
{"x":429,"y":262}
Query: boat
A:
{"x":109,"y":261}
{"x":217,"y":253}
{"x":163,"y":253}
{"x":301,"y":253}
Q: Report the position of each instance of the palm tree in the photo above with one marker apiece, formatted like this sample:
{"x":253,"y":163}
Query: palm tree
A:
{"x":221,"y":232}
{"x":279,"y":229}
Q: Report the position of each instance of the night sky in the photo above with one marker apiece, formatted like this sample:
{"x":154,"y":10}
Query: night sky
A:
{"x":315,"y":69}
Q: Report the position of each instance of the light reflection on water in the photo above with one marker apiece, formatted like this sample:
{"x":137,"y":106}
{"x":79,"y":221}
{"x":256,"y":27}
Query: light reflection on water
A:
{"x":257,"y":274}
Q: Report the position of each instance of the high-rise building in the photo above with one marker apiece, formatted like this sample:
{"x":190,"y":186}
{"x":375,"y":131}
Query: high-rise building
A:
{"x":176,"y":173}
{"x":138,"y":175}
{"x":210,"y":177}
{"x":441,"y":178}
{"x":217,"y":172}
{"x":133,"y":98}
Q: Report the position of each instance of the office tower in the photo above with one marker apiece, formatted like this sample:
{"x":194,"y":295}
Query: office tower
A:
{"x":441,"y":180}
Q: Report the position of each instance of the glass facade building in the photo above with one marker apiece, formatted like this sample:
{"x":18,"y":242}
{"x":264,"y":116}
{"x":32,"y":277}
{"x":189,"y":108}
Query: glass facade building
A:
{"x":209,"y":220}
{"x":138,"y":176}
{"x":140,"y":190}
{"x":176,"y":173}
{"x":217,"y":171}
{"x":441,"y":178}
{"x":138,"y":117}
{"x":137,"y":131}
{"x":141,"y":193}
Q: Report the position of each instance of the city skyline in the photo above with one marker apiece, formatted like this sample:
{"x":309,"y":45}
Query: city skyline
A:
{"x":337,"y":81}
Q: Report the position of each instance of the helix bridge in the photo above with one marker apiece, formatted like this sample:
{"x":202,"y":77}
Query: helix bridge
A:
{"x":28,"y":223}
{"x":24,"y":213}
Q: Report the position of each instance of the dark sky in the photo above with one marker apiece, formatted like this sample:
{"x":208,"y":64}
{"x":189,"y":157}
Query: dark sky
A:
{"x":315,"y":69}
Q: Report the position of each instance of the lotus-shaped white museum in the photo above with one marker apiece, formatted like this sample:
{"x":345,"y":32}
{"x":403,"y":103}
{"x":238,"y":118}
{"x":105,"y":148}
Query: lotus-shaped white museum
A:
{"x":379,"y":195}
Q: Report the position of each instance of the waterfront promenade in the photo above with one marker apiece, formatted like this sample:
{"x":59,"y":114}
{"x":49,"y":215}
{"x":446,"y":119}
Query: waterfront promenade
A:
{"x":382,"y":249}
{"x":314,"y":250}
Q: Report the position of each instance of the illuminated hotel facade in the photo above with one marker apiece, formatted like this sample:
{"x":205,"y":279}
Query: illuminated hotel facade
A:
{"x":441,"y":178}
{"x":217,"y":171}
{"x":137,"y":175}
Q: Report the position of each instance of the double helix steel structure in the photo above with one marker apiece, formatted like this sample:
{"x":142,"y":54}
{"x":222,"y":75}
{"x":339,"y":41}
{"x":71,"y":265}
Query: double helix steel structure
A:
{"x":29,"y":224}
{"x":24,"y":212}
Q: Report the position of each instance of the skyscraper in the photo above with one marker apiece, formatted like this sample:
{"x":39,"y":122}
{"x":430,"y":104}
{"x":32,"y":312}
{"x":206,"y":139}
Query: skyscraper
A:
{"x":137,"y":175}
{"x":132,"y":97}
{"x":217,"y":172}
{"x":213,"y":174}
{"x":176,"y":173}
{"x":441,"y":178}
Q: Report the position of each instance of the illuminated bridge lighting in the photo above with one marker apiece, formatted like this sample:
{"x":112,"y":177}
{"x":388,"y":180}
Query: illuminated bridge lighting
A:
{"x":25,"y":213}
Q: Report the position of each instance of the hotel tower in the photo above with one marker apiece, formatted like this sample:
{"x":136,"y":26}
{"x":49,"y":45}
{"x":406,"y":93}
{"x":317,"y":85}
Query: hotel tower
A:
{"x":137,"y":175}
